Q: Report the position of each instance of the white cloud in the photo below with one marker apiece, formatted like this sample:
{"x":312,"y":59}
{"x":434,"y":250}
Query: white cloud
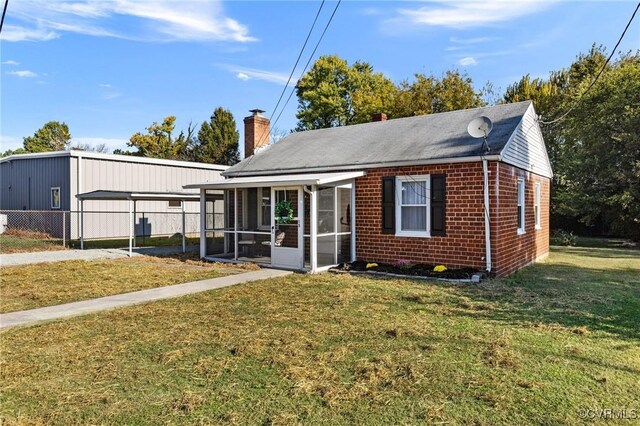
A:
{"x":160,"y":20}
{"x":10,"y":142}
{"x":23,"y":73}
{"x":467,"y":61}
{"x":467,"y":14}
{"x":252,"y":73}
{"x":105,"y":85}
{"x":473,"y":40}
{"x":18,"y":33}
{"x":10,"y":62}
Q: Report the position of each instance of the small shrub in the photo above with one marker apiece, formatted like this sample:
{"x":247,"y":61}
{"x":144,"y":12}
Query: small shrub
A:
{"x":564,"y":238}
{"x":440,"y":268}
{"x":403,"y":264}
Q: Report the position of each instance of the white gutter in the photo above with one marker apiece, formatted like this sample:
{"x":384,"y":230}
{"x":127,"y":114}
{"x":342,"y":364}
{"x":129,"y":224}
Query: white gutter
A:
{"x":487,"y":224}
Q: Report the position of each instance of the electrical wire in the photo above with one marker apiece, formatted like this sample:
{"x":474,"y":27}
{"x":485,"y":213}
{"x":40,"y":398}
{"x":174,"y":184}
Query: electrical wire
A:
{"x":599,"y":73}
{"x":298,"y":59}
{"x":4,"y":13}
{"x":308,"y":62}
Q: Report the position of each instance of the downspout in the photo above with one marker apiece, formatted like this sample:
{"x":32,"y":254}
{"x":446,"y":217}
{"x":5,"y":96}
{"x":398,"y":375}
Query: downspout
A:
{"x":487,"y":225}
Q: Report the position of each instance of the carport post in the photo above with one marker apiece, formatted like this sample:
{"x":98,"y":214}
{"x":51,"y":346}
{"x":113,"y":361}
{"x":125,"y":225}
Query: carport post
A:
{"x":131,"y":202}
{"x":184,"y":238}
{"x":134,"y":223}
{"x":81,"y":224}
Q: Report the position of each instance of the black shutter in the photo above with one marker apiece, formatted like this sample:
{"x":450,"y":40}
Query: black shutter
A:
{"x":438,"y":201}
{"x":388,"y":205}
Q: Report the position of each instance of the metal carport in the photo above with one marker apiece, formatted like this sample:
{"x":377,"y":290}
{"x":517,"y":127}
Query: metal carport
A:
{"x":132,"y":197}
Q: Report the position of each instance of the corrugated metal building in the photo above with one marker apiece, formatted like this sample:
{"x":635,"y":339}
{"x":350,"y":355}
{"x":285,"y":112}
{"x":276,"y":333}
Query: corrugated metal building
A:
{"x":51,"y":181}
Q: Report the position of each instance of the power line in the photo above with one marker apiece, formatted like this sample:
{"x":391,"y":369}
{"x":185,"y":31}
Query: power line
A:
{"x":4,"y":12}
{"x":599,"y":73}
{"x":309,"y":61}
{"x":298,"y":59}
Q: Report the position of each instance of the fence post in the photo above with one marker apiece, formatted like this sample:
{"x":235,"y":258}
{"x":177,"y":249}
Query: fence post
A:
{"x":184,"y":235}
{"x":64,"y":228}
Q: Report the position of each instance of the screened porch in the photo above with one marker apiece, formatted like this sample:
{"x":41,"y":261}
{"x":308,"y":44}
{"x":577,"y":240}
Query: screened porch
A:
{"x":299,"y":222}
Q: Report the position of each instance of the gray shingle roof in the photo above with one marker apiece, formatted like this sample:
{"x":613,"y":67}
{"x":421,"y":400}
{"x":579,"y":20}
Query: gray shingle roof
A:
{"x":428,"y":137}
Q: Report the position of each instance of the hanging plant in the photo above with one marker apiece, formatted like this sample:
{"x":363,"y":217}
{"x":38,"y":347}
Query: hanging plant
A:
{"x":284,"y":212}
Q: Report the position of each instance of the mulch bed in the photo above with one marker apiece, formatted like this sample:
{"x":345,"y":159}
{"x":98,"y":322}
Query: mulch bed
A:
{"x":418,"y":270}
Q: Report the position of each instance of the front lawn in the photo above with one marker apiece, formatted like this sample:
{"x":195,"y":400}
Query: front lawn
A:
{"x":540,"y":347}
{"x":45,"y":284}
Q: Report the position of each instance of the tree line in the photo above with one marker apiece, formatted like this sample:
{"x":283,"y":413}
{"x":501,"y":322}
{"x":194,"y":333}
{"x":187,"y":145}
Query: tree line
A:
{"x":592,"y":131}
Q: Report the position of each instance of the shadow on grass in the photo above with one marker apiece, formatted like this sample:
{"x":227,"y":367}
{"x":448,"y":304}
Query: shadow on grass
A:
{"x":600,"y":252}
{"x":578,"y":300}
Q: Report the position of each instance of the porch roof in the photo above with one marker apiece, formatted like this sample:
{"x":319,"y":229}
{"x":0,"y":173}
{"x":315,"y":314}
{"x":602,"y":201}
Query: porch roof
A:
{"x":279,"y":180}
{"x":138,"y":195}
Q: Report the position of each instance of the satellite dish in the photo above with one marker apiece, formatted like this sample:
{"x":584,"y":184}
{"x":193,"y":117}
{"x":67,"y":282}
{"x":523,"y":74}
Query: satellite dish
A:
{"x":480,"y":127}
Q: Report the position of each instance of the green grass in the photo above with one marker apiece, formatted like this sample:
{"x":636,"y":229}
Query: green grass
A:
{"x":534,"y":348}
{"x":140,"y":242}
{"x":45,"y":284}
{"x":17,"y":244}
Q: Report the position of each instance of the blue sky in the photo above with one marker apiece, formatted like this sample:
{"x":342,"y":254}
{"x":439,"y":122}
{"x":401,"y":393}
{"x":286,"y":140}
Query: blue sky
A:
{"x":110,"y":68}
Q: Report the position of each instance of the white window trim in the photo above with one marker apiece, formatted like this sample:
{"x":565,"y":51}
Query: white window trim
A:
{"x":262,"y":226}
{"x":521,"y":198}
{"x":53,"y":188}
{"x":398,"y":204}
{"x":536,"y":205}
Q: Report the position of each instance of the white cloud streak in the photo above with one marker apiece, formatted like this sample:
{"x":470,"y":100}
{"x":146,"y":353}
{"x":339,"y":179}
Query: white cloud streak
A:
{"x":156,"y":21}
{"x":10,"y":62}
{"x":23,"y":73}
{"x":468,"y":14}
{"x":467,"y":61}
{"x":252,"y":73}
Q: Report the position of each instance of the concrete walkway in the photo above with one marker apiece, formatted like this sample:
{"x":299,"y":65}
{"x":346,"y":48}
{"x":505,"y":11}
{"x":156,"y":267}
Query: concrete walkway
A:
{"x":15,"y":259}
{"x":32,"y":316}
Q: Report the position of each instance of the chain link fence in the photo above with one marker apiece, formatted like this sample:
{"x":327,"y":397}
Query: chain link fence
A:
{"x":29,"y":230}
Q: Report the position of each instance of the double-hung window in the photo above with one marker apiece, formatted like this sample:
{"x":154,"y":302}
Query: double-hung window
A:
{"x":264,"y":208}
{"x":412,"y":206}
{"x":521,"y":206}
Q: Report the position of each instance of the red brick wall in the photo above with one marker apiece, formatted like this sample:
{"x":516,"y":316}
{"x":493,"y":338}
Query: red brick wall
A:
{"x":513,"y":251}
{"x":464,"y":243}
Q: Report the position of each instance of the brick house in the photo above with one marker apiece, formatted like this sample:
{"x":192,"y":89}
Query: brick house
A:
{"x":417,"y":188}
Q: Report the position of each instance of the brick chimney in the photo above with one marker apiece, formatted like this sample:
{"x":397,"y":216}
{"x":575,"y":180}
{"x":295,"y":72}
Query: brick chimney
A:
{"x":381,"y":116}
{"x":256,"y":132}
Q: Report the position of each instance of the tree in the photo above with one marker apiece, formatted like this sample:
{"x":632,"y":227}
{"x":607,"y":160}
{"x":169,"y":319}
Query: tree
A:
{"x":217,"y":140}
{"x":333,"y":94}
{"x":13,"y":152}
{"x":159,"y":143}
{"x":53,"y":136}
{"x":428,"y":95}
{"x":101,"y":147}
{"x":602,"y":134}
{"x":592,"y":140}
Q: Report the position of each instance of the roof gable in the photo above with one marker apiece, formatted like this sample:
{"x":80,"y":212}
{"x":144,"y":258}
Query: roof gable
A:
{"x":526,"y":149}
{"x":426,"y":138}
